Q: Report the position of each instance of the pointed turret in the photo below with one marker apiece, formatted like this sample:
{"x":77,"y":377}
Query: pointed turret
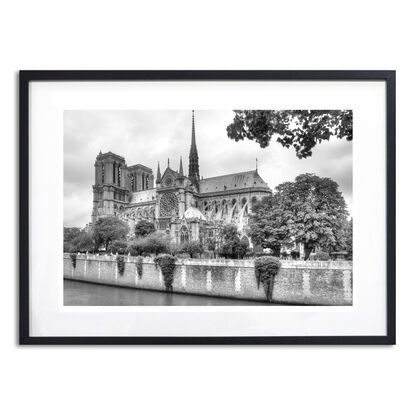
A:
{"x":158,"y":179}
{"x":193,"y":157}
{"x":181,"y":167}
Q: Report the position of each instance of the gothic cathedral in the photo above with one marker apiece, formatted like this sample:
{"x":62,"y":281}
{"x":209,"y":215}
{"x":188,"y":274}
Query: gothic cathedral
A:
{"x":188,"y":208}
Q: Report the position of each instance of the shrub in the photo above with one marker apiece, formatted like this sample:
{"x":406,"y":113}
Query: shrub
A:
{"x":295,"y":254}
{"x":321,"y":256}
{"x":120,"y":264}
{"x":139,"y":265}
{"x":118,"y":247}
{"x":144,"y":228}
{"x":266,"y":269}
{"x":155,"y":243}
{"x":73,"y":259}
{"x":167,"y":264}
{"x":284,"y":254}
{"x":191,"y":248}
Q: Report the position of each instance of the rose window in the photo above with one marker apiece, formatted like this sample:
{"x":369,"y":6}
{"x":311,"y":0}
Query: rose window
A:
{"x":169,"y":205}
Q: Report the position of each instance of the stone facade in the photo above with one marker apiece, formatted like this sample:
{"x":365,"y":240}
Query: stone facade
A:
{"x":297,"y":282}
{"x":188,"y":208}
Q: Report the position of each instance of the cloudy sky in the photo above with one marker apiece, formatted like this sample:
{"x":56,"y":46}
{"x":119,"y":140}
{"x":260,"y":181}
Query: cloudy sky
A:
{"x":146,"y":137}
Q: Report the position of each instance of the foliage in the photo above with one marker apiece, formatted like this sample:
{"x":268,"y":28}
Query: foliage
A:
{"x":295,"y":254}
{"x":321,"y":256}
{"x":83,"y":243}
{"x":210,"y":244}
{"x":139,"y":266}
{"x":348,"y":238}
{"x":301,"y":129}
{"x":118,"y":247}
{"x":120,"y":264}
{"x":108,"y":229}
{"x":191,"y":248}
{"x":144,"y":228}
{"x":310,"y":210}
{"x":167,"y":264}
{"x":68,"y":247}
{"x":266,"y":269}
{"x":73,"y":259}
{"x":155,"y":243}
{"x":231,"y":245}
{"x":70,"y":233}
{"x":284,"y":254}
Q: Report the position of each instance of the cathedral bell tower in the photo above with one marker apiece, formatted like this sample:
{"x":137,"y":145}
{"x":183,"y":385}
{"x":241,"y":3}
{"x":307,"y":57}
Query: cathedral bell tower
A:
{"x":194,"y":158}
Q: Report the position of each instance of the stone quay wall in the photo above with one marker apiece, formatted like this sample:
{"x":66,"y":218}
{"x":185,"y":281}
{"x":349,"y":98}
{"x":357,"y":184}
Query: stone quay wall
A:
{"x":297,"y":282}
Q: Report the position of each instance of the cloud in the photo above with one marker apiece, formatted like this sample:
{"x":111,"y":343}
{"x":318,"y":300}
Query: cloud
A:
{"x":147,"y":137}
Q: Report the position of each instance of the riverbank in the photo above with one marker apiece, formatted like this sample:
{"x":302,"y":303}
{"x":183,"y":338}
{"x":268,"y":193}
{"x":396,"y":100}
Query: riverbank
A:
{"x":297,"y":282}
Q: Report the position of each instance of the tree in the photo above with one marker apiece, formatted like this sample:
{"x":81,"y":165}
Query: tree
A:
{"x":155,"y":243}
{"x":83,"y":243}
{"x":301,"y":129}
{"x":192,"y":248}
{"x":144,"y":228}
{"x":108,"y":229}
{"x":231,"y":245}
{"x":310,"y":210}
{"x":118,"y":247}
{"x":70,"y":233}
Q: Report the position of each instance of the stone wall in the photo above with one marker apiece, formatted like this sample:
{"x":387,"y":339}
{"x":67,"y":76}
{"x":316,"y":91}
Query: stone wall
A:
{"x":297,"y":282}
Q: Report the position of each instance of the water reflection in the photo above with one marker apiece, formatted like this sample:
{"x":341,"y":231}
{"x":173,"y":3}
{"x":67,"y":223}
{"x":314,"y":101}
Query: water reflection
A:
{"x":78,"y":293}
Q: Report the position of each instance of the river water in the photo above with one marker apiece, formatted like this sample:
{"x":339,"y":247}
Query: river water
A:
{"x":77,"y":293}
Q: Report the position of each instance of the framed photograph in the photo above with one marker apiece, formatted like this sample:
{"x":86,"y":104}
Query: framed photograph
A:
{"x":207,"y":207}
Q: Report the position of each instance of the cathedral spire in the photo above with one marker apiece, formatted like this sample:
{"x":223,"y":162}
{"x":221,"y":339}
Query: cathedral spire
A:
{"x":181,"y":167}
{"x":193,"y":157}
{"x":158,"y":179}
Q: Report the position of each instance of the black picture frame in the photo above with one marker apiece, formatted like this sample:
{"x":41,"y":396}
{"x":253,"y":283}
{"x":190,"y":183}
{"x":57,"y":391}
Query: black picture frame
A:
{"x":388,"y":76}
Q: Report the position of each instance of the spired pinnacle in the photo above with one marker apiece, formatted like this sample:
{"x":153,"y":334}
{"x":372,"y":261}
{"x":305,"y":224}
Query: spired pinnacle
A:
{"x":181,"y":167}
{"x":193,"y":157}
{"x":158,"y":179}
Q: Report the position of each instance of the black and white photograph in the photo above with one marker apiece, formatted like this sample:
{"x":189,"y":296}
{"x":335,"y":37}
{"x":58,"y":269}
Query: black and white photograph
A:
{"x":208,"y":207}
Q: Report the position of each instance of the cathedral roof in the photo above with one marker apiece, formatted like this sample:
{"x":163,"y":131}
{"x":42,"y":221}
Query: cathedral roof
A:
{"x":234,"y":181}
{"x":144,"y":196}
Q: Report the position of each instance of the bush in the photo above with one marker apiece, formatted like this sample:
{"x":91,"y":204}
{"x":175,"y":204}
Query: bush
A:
{"x":139,"y":266}
{"x":321,"y":256}
{"x":284,"y":254}
{"x":155,"y":243}
{"x":120,"y":264}
{"x":191,"y":248}
{"x":144,"y":228}
{"x":73,"y":259}
{"x":167,"y":264}
{"x":266,"y":269}
{"x":118,"y":247}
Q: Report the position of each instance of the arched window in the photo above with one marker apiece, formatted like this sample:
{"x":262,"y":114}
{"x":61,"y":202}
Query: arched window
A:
{"x":233,"y":201}
{"x":253,"y":200}
{"x":243,"y":201}
{"x":147,"y":182}
{"x":132,"y":183}
{"x":184,"y":235}
{"x":102,"y":173}
{"x":119,"y":175}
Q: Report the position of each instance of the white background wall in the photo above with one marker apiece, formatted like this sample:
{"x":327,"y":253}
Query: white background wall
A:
{"x":209,"y":35}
